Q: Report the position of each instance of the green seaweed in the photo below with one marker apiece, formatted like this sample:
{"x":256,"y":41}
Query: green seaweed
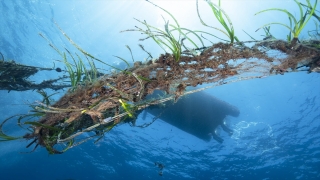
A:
{"x":4,"y":136}
{"x":42,"y":125}
{"x":223,"y":19}
{"x":298,"y":25}
{"x":165,"y":38}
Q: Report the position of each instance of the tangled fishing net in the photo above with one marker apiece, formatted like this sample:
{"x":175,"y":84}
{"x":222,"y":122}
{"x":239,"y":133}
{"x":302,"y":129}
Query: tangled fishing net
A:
{"x":114,"y":98}
{"x":15,"y":77}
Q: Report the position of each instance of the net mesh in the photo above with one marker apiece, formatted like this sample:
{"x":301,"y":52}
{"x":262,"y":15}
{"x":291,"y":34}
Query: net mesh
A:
{"x":113,"y":98}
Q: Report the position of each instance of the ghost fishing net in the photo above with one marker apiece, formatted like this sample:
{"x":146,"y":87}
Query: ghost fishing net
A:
{"x":95,"y":107}
{"x":15,"y":77}
{"x":114,"y":98}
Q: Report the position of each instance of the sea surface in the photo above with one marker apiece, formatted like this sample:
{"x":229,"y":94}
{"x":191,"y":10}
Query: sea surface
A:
{"x":276,"y":135}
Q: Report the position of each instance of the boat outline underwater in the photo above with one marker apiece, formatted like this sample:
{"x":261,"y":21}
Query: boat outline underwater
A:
{"x":198,"y":114}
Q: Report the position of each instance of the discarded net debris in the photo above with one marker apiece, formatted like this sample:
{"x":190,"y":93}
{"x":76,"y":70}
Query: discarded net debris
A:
{"x":114,"y":98}
{"x":14,"y":77}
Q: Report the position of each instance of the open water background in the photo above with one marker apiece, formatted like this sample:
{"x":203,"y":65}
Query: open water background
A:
{"x":277,"y":135}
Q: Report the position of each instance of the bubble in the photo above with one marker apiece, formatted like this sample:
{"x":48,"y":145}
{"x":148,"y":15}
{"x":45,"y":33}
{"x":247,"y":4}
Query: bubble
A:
{"x":254,"y":136}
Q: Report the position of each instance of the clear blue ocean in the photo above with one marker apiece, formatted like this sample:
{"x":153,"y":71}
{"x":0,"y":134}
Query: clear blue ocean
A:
{"x":276,"y":135}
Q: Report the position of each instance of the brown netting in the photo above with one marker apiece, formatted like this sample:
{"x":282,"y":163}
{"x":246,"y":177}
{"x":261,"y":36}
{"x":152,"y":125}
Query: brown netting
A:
{"x":15,"y":77}
{"x":101,"y":105}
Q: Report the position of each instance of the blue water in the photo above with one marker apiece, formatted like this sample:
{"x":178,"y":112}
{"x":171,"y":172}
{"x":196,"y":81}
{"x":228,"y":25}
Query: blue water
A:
{"x":276,"y":136}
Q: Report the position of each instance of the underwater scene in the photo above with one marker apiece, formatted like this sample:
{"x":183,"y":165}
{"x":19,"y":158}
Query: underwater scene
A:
{"x":161,"y":89}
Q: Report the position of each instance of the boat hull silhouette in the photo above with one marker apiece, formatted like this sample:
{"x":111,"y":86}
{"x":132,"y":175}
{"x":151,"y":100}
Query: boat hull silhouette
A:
{"x":198,"y":114}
